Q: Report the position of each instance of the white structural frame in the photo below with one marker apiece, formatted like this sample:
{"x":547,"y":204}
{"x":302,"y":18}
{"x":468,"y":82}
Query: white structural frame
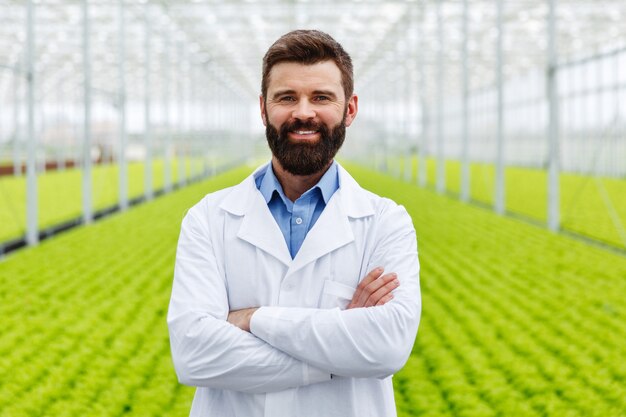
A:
{"x":441,"y":161}
{"x":86,"y":157}
{"x":465,"y":164}
{"x":182,"y":169}
{"x":500,"y":189}
{"x":421,"y":161}
{"x":148,"y":189}
{"x":17,"y":162}
{"x":167,"y":136}
{"x":553,"y":122}
{"x":32,"y":225}
{"x":557,"y":108}
{"x":123,"y":129}
{"x":40,"y":71}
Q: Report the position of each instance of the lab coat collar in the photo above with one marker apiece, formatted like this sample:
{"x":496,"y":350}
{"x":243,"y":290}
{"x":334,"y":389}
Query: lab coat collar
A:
{"x":331,"y":231}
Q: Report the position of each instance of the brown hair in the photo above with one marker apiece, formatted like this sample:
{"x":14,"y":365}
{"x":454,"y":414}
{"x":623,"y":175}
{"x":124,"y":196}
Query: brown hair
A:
{"x":308,"y":47}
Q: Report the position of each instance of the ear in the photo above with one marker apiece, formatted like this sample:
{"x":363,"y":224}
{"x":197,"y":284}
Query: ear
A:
{"x":262,"y":106}
{"x":353,"y":109}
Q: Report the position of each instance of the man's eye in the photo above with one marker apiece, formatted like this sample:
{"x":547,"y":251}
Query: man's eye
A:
{"x":287,"y":98}
{"x":322,"y":98}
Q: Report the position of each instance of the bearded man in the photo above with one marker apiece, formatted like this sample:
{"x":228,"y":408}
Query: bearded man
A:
{"x":296,"y":292}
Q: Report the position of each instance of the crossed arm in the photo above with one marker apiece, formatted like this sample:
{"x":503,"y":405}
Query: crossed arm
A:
{"x":374,"y":290}
{"x":289,"y":347}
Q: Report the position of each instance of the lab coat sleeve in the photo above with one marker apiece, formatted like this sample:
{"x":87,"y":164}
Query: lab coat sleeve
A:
{"x":207,"y":350}
{"x":362,"y":342}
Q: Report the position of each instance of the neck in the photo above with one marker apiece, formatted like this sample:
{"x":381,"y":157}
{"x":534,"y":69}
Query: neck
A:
{"x":296,"y":185}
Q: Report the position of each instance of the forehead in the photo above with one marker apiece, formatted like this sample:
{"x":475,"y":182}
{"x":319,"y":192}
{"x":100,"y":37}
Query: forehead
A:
{"x":301,"y":77}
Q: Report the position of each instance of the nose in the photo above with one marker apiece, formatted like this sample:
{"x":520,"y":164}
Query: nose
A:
{"x":303,"y":110}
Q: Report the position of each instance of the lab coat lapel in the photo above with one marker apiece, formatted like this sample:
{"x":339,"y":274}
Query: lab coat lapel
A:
{"x":258,"y":226}
{"x":331,"y":231}
{"x":261,"y":230}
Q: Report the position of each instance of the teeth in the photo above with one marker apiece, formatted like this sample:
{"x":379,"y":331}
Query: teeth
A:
{"x":305,"y":132}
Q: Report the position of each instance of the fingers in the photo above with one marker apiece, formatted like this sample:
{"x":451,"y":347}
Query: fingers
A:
{"x":374,"y":289}
{"x":369,"y":278}
{"x":384,"y":299}
{"x":382,"y":288}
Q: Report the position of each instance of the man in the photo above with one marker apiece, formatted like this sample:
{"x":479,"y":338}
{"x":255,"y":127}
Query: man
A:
{"x":296,"y":292}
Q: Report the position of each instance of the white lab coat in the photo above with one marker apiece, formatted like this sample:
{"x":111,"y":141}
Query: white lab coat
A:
{"x":232,"y":255}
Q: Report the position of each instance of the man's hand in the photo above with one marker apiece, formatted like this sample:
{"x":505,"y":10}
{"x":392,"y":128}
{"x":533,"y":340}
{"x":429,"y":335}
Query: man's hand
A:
{"x":375,"y":289}
{"x":241,"y":318}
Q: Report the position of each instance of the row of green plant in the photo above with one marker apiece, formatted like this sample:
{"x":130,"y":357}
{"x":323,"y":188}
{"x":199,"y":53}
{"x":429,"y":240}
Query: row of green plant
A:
{"x":517,"y":321}
{"x":589,"y":205}
{"x":60,"y":193}
{"x":83,"y":316}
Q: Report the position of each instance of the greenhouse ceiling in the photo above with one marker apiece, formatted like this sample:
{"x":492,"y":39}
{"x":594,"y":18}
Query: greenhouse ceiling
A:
{"x":228,"y":38}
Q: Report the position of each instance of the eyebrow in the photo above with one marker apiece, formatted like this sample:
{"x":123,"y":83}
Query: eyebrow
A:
{"x":315,"y":92}
{"x":282,"y":93}
{"x":324,"y":93}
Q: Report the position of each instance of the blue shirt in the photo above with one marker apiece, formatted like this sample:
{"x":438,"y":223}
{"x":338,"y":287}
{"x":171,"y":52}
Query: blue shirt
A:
{"x":295,"y":219}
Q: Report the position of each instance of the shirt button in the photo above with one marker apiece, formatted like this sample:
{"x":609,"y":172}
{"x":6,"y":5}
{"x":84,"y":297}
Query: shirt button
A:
{"x":298,"y":220}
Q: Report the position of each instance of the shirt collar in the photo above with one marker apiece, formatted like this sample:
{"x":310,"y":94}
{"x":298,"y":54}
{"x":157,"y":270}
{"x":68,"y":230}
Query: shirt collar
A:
{"x":269,"y":184}
{"x":328,"y":184}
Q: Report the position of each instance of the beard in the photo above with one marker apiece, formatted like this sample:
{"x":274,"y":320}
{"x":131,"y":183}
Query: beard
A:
{"x":305,"y":158}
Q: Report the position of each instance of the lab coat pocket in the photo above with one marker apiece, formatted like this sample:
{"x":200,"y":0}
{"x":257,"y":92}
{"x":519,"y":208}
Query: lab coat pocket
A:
{"x":336,"y":294}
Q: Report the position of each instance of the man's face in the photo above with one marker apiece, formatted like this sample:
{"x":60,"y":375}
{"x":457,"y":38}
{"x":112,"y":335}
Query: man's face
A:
{"x":305,"y":114}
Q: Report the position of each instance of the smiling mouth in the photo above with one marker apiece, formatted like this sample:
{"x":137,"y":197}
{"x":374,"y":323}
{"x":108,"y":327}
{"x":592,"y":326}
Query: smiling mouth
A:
{"x":303,"y":134}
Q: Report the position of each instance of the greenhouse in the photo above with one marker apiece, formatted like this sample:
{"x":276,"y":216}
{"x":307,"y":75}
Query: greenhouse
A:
{"x":499,"y":125}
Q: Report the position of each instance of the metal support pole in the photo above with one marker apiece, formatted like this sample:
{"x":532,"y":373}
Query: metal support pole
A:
{"x":184,"y":121}
{"x":86,"y":178}
{"x":421,"y":160}
{"x":206,"y":122}
{"x":376,"y":109}
{"x":192,"y":119}
{"x":499,"y":199}
{"x":121,"y":155}
{"x":553,"y":124}
{"x":17,"y":161}
{"x":182,"y":170}
{"x":211,"y":121}
{"x":465,"y":168}
{"x":32,"y":227}
{"x":179,"y":139}
{"x":60,"y":156}
{"x":167,"y":157}
{"x":617,"y":160}
{"x":406,"y":109}
{"x":399,"y":115}
{"x":441,"y":161}
{"x":414,"y":90}
{"x":222,"y":151}
{"x":411,"y":120}
{"x":148,"y":191}
{"x":388,"y":112}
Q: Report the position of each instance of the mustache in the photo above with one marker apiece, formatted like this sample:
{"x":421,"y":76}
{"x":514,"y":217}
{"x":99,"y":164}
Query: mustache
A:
{"x":301,"y":125}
